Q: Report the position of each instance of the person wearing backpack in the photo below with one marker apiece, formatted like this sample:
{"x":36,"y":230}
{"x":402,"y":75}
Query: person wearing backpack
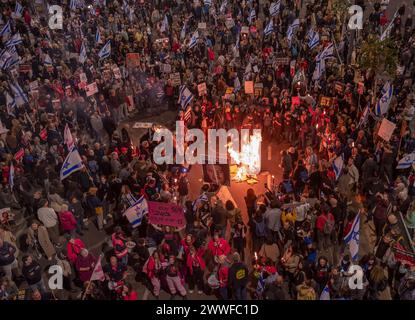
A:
{"x":325,"y":226}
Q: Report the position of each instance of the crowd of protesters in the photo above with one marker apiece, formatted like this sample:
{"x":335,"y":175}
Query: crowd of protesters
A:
{"x":292,"y":246}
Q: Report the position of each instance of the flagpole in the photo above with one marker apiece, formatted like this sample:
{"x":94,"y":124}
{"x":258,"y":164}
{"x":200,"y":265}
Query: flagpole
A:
{"x":335,"y":47}
{"x":90,"y":282}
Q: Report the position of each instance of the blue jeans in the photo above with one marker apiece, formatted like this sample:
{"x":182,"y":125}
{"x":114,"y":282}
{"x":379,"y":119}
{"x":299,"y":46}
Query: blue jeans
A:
{"x":223,"y":292}
{"x":240,"y":293}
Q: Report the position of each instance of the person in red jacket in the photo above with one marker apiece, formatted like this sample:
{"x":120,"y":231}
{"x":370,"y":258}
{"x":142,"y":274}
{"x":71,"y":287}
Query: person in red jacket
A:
{"x":128,"y":293}
{"x":119,"y":245}
{"x":73,"y":248}
{"x":153,"y":268}
{"x":67,"y":220}
{"x":223,"y":273}
{"x":219,"y":246}
{"x":325,"y":227}
{"x":195,"y":267}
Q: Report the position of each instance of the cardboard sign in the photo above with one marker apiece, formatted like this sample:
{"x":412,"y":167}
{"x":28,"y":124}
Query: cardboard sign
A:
{"x":132,"y":60}
{"x":282,"y":61}
{"x":165,"y":68}
{"x":249,"y":87}
{"x":25,"y":68}
{"x":83,"y":78}
{"x":166,"y":214}
{"x":201,"y":88}
{"x":255,"y":69}
{"x":339,"y":87}
{"x":175,"y":79}
{"x":386,"y":129}
{"x":91,"y":89}
{"x":142,"y":125}
{"x":201,"y":25}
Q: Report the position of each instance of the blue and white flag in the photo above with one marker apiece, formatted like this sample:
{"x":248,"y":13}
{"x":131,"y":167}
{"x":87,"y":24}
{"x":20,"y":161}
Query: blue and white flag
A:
{"x":82,"y":54}
{"x":386,"y":33}
{"x":18,"y":9}
{"x":185,"y":97}
{"x":13,"y":59}
{"x":382,"y":106}
{"x":5,"y":56}
{"x":223,"y":6}
{"x":72,"y":163}
{"x":194,"y":40}
{"x":11,"y":176}
{"x":136,"y":212}
{"x":10,"y":104}
{"x":6,"y":30}
{"x":207,"y":3}
{"x":327,"y":52}
{"x":252,"y":16}
{"x":203,"y":198}
{"x":105,"y":52}
{"x":269,"y":28}
{"x":325,"y":294}
{"x":314,"y":40}
{"x":274,"y":8}
{"x":338,"y":166}
{"x":236,"y":85}
{"x":165,"y":24}
{"x":183,"y":32}
{"x":352,"y":237}
{"x":365,"y":116}
{"x":20,"y":96}
{"x":406,"y":161}
{"x":291,"y":30}
{"x":319,"y":70}
{"x":13,"y":41}
{"x":98,"y":36}
{"x":73,"y":4}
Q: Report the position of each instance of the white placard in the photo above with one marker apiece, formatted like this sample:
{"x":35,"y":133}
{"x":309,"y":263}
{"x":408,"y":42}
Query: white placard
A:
{"x":91,"y":89}
{"x":386,"y":129}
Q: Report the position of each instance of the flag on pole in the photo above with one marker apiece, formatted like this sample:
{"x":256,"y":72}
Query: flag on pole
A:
{"x":252,"y":16}
{"x":338,"y":166}
{"x":98,"y":273}
{"x":67,"y":137}
{"x":6,"y":30}
{"x":194,"y":39}
{"x":314,"y":40}
{"x":13,"y":41}
{"x":383,"y":103}
{"x":20,"y":96}
{"x":73,"y":163}
{"x":98,"y":36}
{"x":136,"y":212}
{"x":406,"y":161}
{"x":352,"y":237}
{"x":274,"y":8}
{"x":105,"y":52}
{"x":207,"y":3}
{"x":325,"y":294}
{"x":319,"y":70}
{"x":185,"y":96}
{"x":291,"y":29}
{"x":10,"y":104}
{"x":82,"y":54}
{"x":11,"y":176}
{"x":188,"y":114}
{"x":269,"y":28}
{"x":18,"y":9}
{"x":386,"y":33}
{"x":327,"y":52}
{"x":364,"y":117}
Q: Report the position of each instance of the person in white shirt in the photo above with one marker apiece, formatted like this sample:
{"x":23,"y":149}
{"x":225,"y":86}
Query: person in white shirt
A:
{"x":49,"y":218}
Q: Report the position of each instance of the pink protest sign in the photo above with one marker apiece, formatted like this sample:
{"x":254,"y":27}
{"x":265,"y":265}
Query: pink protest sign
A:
{"x":167,"y":214}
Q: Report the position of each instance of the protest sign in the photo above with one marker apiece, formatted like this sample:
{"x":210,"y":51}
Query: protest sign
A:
{"x":386,"y":129}
{"x":117,"y":73}
{"x":132,"y":60}
{"x":339,"y":87}
{"x":201,"y":25}
{"x":224,"y":195}
{"x":166,"y":214}
{"x":142,"y":125}
{"x":201,"y":88}
{"x":91,"y":89}
{"x":326,"y":101}
{"x":249,"y":87}
{"x":175,"y":79}
{"x":33,"y":85}
{"x":166,"y":68}
{"x":282,"y":61}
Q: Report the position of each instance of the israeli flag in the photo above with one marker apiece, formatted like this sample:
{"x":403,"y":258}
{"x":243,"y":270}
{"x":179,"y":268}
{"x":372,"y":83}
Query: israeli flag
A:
{"x":319,"y":70}
{"x":82,"y":54}
{"x":73,"y":163}
{"x":237,"y":85}
{"x":194,"y":39}
{"x":269,"y":28}
{"x":291,"y":29}
{"x":274,"y":8}
{"x":10,"y":104}
{"x":338,"y":166}
{"x":20,"y":96}
{"x":18,"y":9}
{"x":6,"y":30}
{"x":73,"y":4}
{"x":325,"y":294}
{"x":105,"y":52}
{"x":207,"y":3}
{"x":4,"y":58}
{"x":406,"y":161}
{"x":314,"y":40}
{"x":383,"y":103}
{"x":252,"y":16}
{"x":98,"y":36}
{"x":13,"y":41}
{"x":183,"y":32}
{"x":136,"y":212}
{"x":386,"y":33}
{"x":13,"y":60}
{"x":223,"y":6}
{"x":165,"y":24}
{"x":200,"y":199}
{"x":326,"y":53}
{"x":185,"y":96}
{"x":352,"y":237}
